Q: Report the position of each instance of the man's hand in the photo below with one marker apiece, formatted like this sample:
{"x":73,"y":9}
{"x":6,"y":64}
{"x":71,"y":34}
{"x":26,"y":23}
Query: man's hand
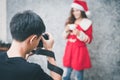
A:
{"x":48,"y":44}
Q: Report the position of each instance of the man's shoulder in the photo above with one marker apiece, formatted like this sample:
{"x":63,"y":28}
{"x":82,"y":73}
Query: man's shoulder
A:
{"x":2,"y":55}
{"x":32,"y":66}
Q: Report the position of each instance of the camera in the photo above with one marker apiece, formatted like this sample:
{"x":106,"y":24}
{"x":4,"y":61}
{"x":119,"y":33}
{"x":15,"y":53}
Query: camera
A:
{"x":72,"y":26}
{"x":41,"y":43}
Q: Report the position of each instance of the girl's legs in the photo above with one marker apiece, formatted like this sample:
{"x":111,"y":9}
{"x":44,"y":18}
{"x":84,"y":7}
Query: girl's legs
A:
{"x":77,"y":75}
{"x":67,"y":73}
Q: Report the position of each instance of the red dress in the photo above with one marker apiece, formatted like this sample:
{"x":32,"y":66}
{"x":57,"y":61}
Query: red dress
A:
{"x":76,"y":54}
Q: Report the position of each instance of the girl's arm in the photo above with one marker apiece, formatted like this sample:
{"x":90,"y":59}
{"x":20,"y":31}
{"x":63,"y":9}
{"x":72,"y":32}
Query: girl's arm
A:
{"x":85,"y":36}
{"x":85,"y":31}
{"x":66,"y":32}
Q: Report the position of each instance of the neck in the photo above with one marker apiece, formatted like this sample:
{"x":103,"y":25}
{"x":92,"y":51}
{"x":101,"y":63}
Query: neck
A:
{"x":79,"y":19}
{"x":17,"y":50}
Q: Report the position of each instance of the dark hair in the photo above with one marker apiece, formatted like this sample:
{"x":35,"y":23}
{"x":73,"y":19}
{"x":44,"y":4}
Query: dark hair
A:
{"x":71,"y":19}
{"x":26,"y":24}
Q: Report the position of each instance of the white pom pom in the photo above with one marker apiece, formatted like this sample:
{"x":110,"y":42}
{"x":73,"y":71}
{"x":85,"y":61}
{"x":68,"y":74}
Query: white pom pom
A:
{"x":88,"y":13}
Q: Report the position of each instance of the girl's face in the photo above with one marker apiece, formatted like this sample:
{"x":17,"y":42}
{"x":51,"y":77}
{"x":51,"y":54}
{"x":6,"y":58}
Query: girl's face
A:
{"x":76,"y":13}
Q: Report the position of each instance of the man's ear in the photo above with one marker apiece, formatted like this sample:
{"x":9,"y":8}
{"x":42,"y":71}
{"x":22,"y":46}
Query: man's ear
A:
{"x":33,"y":38}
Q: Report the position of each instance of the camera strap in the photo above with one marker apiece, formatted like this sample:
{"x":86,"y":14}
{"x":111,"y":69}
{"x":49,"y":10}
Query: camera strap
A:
{"x":49,"y":65}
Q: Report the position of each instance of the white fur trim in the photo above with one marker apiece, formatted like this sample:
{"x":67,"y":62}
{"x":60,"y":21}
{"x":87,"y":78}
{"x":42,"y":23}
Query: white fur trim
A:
{"x":83,"y":37}
{"x":88,"y":13}
{"x":85,"y":24}
{"x":77,"y":6}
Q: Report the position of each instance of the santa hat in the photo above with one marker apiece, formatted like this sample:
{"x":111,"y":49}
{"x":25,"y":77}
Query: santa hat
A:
{"x":81,"y":5}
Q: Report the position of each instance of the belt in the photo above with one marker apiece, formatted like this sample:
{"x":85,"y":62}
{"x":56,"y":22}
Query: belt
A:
{"x":72,"y":40}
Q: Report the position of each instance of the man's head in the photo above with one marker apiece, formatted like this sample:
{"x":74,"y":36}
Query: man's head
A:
{"x":26,"y":24}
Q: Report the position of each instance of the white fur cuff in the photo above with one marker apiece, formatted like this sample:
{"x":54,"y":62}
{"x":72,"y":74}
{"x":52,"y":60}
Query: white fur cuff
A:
{"x":83,"y":37}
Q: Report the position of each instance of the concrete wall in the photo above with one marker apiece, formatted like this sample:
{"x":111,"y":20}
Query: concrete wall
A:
{"x":3,"y":30}
{"x":105,"y":48}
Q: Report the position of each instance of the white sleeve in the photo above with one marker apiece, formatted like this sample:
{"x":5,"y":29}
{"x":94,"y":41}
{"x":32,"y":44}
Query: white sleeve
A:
{"x":85,"y":24}
{"x":83,"y":37}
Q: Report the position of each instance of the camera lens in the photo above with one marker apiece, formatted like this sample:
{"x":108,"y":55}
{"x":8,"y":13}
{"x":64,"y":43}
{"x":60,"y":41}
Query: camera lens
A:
{"x":41,"y":43}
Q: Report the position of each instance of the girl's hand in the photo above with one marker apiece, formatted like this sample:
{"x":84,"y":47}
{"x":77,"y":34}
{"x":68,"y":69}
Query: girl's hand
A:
{"x":67,"y":28}
{"x":76,"y":32}
{"x":72,"y":26}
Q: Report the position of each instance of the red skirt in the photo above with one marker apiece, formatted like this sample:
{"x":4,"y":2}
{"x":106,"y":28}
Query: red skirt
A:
{"x":76,"y":56}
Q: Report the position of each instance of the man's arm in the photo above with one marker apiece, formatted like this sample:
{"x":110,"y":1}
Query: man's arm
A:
{"x":48,"y":45}
{"x":54,"y":75}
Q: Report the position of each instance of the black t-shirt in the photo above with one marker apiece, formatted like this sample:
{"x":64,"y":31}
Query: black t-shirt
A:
{"x":18,"y":68}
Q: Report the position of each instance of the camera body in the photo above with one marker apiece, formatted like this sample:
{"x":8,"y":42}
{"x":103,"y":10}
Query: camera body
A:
{"x":41,"y":43}
{"x":72,"y":26}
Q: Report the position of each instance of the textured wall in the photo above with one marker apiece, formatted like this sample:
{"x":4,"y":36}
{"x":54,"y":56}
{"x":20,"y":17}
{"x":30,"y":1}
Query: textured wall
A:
{"x":3,"y":20}
{"x":105,"y":48}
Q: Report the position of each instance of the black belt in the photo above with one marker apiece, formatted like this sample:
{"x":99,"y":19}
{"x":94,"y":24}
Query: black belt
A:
{"x":49,"y":65}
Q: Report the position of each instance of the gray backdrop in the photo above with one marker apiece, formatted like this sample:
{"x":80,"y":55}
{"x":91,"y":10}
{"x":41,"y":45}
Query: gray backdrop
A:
{"x":105,"y":48}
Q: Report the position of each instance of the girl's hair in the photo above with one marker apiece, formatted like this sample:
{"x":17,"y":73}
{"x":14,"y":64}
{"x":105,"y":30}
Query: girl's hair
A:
{"x":71,"y":19}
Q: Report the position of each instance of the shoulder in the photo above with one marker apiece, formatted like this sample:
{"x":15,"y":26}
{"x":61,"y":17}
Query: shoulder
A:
{"x":39,"y":72}
{"x":85,"y":24}
{"x":32,"y":68}
{"x":36,"y":71}
{"x":2,"y":55}
{"x":32,"y":65}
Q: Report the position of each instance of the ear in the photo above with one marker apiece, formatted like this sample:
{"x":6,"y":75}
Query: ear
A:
{"x":33,"y":38}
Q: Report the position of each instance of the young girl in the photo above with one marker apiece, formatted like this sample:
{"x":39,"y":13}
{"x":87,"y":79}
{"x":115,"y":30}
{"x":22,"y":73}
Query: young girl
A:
{"x":78,"y":32}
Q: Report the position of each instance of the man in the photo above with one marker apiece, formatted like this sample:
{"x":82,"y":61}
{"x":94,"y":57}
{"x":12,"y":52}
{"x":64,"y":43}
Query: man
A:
{"x":26,"y":30}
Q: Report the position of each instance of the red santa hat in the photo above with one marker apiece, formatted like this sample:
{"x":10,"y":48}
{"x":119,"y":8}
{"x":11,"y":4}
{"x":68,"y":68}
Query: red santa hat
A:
{"x":81,"y":5}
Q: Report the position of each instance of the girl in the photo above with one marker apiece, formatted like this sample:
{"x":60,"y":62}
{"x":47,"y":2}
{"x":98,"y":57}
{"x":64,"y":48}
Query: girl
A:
{"x":78,"y":32}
